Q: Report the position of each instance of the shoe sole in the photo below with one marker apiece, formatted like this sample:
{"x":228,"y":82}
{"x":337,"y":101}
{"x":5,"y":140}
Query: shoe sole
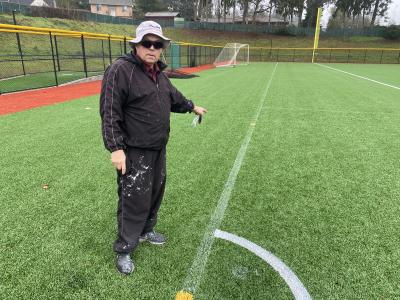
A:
{"x":153,"y":243}
{"x":125,"y":274}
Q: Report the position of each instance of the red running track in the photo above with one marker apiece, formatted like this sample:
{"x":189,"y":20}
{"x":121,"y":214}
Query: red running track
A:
{"x":11,"y":103}
{"x":15,"y":102}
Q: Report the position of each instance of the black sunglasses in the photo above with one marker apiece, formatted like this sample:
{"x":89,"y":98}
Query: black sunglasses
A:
{"x":147,"y":44}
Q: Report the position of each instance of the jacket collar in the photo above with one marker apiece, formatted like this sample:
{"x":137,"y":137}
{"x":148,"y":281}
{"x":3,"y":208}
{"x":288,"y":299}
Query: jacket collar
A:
{"x":137,"y":61}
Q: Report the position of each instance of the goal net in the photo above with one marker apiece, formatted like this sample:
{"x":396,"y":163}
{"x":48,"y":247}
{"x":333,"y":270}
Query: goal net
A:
{"x":233,"y":54}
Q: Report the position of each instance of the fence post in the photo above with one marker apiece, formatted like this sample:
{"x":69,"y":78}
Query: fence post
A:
{"x":398,"y":58}
{"x":19,"y":44}
{"x":348,"y":56}
{"x":188,"y":55}
{"x":381,"y":57}
{"x":294,"y":53}
{"x":277,"y":55}
{"x":120,"y":47}
{"x":365,"y":55}
{"x":84,"y":56}
{"x":102,"y":52}
{"x":330,"y":55}
{"x":125,"y":45}
{"x":109,"y":48}
{"x":57,"y":56}
{"x":52,"y":55}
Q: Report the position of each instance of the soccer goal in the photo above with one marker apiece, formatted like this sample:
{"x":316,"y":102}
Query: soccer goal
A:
{"x":233,"y":54}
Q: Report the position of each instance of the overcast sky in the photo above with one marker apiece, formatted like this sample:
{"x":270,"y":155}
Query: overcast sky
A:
{"x":393,"y":15}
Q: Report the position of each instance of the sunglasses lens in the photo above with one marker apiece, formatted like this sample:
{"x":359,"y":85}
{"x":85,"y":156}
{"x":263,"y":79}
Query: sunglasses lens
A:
{"x":148,"y":44}
{"x":158,"y":45}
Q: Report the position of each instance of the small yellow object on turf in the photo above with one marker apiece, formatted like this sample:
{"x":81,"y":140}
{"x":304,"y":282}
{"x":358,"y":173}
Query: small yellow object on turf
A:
{"x":182,"y":295}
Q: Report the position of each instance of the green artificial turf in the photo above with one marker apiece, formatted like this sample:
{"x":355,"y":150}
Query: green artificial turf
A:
{"x":318,"y":188}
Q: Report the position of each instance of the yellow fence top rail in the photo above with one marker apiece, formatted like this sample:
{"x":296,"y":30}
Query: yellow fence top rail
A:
{"x":100,"y":36}
{"x":47,"y":30}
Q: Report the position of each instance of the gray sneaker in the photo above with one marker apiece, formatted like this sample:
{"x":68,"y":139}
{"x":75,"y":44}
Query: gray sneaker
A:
{"x":153,"y":237}
{"x":124,"y":263}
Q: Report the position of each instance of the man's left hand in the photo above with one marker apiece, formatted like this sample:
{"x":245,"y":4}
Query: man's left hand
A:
{"x":199,"y":110}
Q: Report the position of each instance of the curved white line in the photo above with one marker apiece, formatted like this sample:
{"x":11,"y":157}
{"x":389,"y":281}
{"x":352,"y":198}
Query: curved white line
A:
{"x":295,"y":285}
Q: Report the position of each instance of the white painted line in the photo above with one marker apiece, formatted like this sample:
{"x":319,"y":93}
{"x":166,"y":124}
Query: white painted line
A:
{"x":365,"y":78}
{"x":295,"y":285}
{"x":203,"y":251}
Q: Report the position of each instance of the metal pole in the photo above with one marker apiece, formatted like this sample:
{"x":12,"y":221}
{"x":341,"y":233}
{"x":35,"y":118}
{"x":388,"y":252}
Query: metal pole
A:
{"x":398,"y":58}
{"x":19,"y":44}
{"x":330,"y":55}
{"x":381,"y":57}
{"x":188,"y":55}
{"x":365,"y":55}
{"x":57,"y":56}
{"x":125,"y":45}
{"x":84,"y":56}
{"x":102,"y":52}
{"x":109,"y":49}
{"x":348,"y":55}
{"x":120,"y":48}
{"x":52,"y":55}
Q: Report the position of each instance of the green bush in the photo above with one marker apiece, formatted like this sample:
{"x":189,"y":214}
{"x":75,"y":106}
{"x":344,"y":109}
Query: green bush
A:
{"x":392,"y":32}
{"x":285,"y":31}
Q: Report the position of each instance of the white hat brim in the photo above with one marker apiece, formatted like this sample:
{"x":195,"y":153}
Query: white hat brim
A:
{"x":139,"y":38}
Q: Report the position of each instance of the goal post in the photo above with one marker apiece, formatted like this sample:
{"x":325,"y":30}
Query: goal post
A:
{"x":233,"y":54}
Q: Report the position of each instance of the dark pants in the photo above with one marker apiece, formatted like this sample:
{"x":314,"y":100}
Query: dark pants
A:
{"x":140,"y":192}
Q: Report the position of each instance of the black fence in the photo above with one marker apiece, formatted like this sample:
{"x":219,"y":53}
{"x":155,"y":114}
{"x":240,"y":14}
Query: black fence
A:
{"x":34,"y":60}
{"x":29,"y":61}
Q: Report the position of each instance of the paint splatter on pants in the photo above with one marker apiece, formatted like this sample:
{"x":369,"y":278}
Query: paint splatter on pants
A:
{"x":140,"y":192}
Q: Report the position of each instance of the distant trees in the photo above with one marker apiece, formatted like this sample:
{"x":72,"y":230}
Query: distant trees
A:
{"x":73,"y":4}
{"x":350,"y":12}
{"x":304,"y":10}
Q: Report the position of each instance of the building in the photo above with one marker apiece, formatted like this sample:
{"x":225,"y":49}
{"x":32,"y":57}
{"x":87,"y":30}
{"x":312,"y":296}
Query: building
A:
{"x":165,"y":18}
{"x":115,"y":8}
{"x":40,"y":3}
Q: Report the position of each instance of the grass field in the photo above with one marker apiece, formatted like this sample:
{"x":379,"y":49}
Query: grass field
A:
{"x":317,"y":186}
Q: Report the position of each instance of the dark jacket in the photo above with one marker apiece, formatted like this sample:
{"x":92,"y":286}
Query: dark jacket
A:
{"x":135,"y":110}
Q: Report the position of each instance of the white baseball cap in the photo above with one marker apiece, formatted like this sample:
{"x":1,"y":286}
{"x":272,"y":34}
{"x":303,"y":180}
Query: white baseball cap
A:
{"x":149,"y":27}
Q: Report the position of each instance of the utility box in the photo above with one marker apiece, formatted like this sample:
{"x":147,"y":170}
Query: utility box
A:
{"x":179,"y":22}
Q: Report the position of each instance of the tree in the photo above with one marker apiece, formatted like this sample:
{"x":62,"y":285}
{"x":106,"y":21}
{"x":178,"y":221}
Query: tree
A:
{"x":311,"y":11}
{"x":185,"y":7}
{"x":244,"y":4}
{"x":144,"y":6}
{"x":380,"y":8}
{"x":73,"y":4}
{"x":345,"y":7}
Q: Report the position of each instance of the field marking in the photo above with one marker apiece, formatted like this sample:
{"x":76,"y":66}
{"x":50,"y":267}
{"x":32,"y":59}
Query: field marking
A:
{"x":336,"y":111}
{"x":294,"y":283}
{"x":362,"y":77}
{"x":9,"y":78}
{"x":203,"y":251}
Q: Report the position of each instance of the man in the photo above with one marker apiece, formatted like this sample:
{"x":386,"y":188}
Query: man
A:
{"x":135,"y":104}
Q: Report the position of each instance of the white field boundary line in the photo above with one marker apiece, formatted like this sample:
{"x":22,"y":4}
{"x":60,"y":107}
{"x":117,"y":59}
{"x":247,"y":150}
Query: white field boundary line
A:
{"x":298,"y":290}
{"x":336,"y":111}
{"x":195,"y":273}
{"x":358,"y":76}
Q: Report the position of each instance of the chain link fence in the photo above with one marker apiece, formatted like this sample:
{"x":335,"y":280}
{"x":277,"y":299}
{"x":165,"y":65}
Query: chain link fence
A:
{"x":30,"y":60}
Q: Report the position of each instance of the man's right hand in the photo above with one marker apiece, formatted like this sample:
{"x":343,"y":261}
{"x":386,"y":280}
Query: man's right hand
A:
{"x":118,"y":160}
